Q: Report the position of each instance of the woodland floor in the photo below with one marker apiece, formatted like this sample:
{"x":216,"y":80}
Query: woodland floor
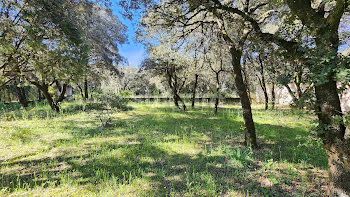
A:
{"x":154,"y":149}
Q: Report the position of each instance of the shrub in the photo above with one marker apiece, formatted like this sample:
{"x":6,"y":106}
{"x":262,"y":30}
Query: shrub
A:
{"x":126,"y":93}
{"x":111,"y":100}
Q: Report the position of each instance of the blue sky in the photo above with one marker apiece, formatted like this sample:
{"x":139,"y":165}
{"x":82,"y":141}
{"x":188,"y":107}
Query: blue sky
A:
{"x":134,"y":52}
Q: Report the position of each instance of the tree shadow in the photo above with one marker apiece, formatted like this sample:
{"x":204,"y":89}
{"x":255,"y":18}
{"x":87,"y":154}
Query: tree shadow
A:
{"x":202,"y":174}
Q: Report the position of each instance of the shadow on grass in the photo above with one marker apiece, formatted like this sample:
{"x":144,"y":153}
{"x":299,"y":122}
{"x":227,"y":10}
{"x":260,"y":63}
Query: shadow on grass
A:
{"x":199,"y":174}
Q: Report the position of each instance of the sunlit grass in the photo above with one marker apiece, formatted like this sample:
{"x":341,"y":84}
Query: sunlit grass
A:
{"x":155,"y":149}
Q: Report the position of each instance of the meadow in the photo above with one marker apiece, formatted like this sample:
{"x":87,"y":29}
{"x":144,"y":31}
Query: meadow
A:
{"x":154,"y":149}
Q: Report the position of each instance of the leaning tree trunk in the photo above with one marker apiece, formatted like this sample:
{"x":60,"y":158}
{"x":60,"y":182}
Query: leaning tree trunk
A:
{"x":81,"y":91}
{"x":178,"y":98}
{"x":45,"y":90}
{"x":291,"y":93}
{"x":263,"y":83}
{"x":250,"y":135}
{"x":194,"y":90}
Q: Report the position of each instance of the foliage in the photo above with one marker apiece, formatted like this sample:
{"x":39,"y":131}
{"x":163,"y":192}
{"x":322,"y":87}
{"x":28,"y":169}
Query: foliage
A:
{"x":111,"y":100}
{"x":126,"y":93}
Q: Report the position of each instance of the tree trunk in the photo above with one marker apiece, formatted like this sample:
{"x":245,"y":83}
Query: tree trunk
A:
{"x":194,"y":90}
{"x":333,"y":136}
{"x":173,"y":84}
{"x":81,"y":92}
{"x":263,"y":83}
{"x":216,"y":104}
{"x":175,"y":95}
{"x":49,"y":98}
{"x":62,"y":94}
{"x":291,"y":93}
{"x":86,"y":89}
{"x":339,"y":168}
{"x":40,"y":97}
{"x":266,"y":98}
{"x":217,"y":92}
{"x":45,"y":90}
{"x":300,"y":102}
{"x":246,"y":81}
{"x":21,"y":94}
{"x":250,"y":135}
{"x":176,"y":102}
{"x":178,"y":98}
{"x":273,"y":95}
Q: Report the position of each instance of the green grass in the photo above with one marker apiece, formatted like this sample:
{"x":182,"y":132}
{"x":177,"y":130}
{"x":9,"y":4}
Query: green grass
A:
{"x":157,"y":150}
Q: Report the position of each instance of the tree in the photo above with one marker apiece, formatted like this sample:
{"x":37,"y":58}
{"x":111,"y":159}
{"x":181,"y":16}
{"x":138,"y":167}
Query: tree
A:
{"x":53,"y":69}
{"x":322,"y":58}
{"x":16,"y":38}
{"x":20,"y":92}
{"x":103,"y":33}
{"x":76,"y":38}
{"x":217,"y":60}
{"x":293,"y":75}
{"x":171,"y":65}
{"x":188,"y":16}
{"x":35,"y":31}
{"x":258,"y":67}
{"x":322,"y":20}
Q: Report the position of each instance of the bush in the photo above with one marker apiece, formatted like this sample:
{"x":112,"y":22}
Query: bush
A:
{"x":9,"y":106}
{"x":126,"y":93}
{"x":111,"y":100}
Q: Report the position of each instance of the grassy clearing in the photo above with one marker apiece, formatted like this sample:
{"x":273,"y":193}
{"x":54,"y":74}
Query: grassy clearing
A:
{"x":156,"y":150}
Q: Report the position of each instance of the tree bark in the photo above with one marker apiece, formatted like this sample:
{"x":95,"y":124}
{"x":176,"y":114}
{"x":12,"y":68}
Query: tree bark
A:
{"x":217,"y":92}
{"x":21,"y":94}
{"x":331,"y":122}
{"x":339,"y":168}
{"x":246,"y":81}
{"x":333,"y":133}
{"x":194,"y":90}
{"x":86,"y":89}
{"x":250,"y":135}
{"x":263,"y":83}
{"x":81,"y":92}
{"x":178,"y":98}
{"x":266,"y":96}
{"x":273,"y":95}
{"x":176,"y":102}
